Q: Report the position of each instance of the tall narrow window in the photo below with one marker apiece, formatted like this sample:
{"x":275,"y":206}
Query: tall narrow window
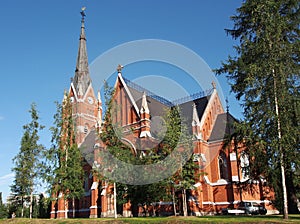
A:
{"x":245,"y":168}
{"x":223,"y":166}
{"x":86,"y":182}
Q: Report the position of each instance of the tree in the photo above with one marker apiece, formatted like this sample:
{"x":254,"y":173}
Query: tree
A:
{"x":3,"y":208}
{"x":63,"y":167}
{"x":177,"y":135}
{"x":26,"y":162}
{"x":265,"y":74}
{"x":44,"y":206}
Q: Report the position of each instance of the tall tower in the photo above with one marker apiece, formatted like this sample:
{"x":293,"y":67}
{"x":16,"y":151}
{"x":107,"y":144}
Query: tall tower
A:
{"x":85,"y":104}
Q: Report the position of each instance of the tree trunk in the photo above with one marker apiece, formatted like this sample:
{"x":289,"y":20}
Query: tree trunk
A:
{"x":66,"y":208}
{"x":30,"y":208}
{"x":22,"y":211}
{"x":238,"y":164}
{"x":174,"y":204}
{"x":73,"y":207}
{"x":115,"y":200}
{"x":285,"y":203}
{"x":184,"y":202}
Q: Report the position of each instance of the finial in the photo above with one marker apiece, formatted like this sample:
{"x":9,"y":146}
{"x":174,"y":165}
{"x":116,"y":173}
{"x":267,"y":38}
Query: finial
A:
{"x":82,"y":12}
{"x":119,"y":68}
{"x":213,"y":84}
{"x":227,"y":105}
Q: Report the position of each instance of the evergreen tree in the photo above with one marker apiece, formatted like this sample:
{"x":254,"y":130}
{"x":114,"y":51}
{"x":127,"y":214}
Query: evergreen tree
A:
{"x":44,"y":206}
{"x":27,"y":161}
{"x":265,"y":74}
{"x":3,"y":211}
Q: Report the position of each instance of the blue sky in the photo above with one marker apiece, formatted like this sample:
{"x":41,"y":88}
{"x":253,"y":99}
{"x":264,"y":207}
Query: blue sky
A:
{"x":39,"y":42}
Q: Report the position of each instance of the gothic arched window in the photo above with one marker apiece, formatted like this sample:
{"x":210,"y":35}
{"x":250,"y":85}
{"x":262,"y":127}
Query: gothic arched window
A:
{"x":223,"y":166}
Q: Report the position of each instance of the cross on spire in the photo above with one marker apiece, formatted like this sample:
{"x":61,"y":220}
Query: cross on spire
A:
{"x":227,"y":105}
{"x":119,"y":68}
{"x":82,"y":12}
{"x":213,"y":84}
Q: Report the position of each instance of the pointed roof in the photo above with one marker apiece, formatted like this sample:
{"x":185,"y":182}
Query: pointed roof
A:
{"x":188,"y":110}
{"x":196,"y":121}
{"x":144,"y":107}
{"x":82,"y":78}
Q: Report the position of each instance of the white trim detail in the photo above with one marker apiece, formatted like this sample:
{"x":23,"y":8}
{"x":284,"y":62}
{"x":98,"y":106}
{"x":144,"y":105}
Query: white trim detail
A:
{"x":145,"y":134}
{"x":233,"y":156}
{"x":62,"y":211}
{"x":216,"y":203}
{"x":198,"y":184}
{"x":129,"y":93}
{"x":235,"y":178}
{"x":103,"y":192}
{"x":218,"y":183}
{"x":94,"y":186}
{"x":144,"y":107}
{"x":208,"y":107}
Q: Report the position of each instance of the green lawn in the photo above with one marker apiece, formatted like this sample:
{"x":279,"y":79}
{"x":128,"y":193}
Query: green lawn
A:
{"x":203,"y":219}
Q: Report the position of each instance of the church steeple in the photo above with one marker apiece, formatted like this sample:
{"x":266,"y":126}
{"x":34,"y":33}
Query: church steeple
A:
{"x":82,"y":78}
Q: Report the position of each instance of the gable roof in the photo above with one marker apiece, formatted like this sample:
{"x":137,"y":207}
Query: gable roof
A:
{"x":186,"y":110}
{"x":223,"y":127}
{"x":158,"y":105}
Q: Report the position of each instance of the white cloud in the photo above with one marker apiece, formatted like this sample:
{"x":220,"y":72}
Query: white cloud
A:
{"x":6,"y":179}
{"x":5,"y":182}
{"x":1,"y":118}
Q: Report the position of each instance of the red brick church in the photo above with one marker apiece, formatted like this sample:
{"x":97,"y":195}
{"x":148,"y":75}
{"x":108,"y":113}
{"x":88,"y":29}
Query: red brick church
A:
{"x":207,"y":120}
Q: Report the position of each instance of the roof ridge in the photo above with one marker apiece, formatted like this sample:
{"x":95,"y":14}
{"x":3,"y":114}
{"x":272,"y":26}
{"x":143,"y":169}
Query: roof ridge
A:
{"x":148,"y":92}
{"x":163,"y":100}
{"x":194,"y":96}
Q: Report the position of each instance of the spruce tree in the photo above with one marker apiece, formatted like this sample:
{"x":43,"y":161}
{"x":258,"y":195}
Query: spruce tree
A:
{"x":27,"y":161}
{"x":264,"y":73}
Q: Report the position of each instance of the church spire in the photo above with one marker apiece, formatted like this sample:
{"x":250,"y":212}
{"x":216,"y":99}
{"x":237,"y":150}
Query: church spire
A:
{"x":82,"y":78}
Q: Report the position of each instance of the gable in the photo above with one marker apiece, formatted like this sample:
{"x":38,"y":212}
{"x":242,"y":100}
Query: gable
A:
{"x":223,"y":127}
{"x":120,"y":83}
{"x":187,"y":110}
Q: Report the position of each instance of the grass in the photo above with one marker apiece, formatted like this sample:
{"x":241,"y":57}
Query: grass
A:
{"x":179,"y":219}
